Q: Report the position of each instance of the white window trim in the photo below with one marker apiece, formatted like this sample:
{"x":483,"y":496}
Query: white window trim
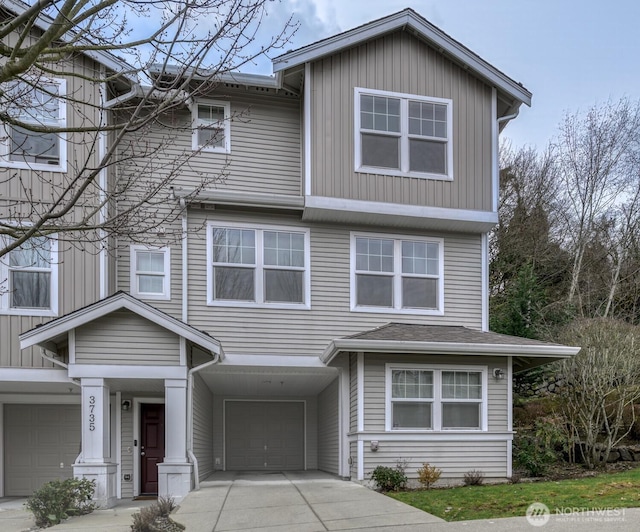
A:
{"x":397,"y":275}
{"x":4,"y":280}
{"x":404,"y":136}
{"x":5,"y":146}
{"x":437,"y":400}
{"x":259,"y":268}
{"x":166,"y":285}
{"x":227,"y":126}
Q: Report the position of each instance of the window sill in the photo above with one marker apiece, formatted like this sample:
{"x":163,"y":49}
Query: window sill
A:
{"x":221,"y":151}
{"x":389,"y":310}
{"x":34,"y":166}
{"x":245,"y":304}
{"x":400,"y":173}
{"x":154,"y":297}
{"x":29,"y":312}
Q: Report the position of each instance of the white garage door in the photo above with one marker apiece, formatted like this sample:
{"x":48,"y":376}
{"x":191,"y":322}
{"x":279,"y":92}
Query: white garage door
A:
{"x":264,"y":436}
{"x":38,"y":439}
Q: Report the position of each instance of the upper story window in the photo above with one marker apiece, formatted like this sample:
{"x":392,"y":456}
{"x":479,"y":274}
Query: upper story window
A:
{"x":403,"y":134}
{"x":40,"y":106}
{"x":436,"y":397}
{"x":29,"y":278}
{"x":398,"y":274}
{"x":211,"y":126}
{"x":150,"y":272}
{"x":266,"y":267}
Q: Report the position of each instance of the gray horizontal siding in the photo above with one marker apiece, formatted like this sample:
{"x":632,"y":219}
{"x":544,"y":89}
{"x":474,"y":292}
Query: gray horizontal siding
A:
{"x":203,"y":427}
{"x":328,"y":434}
{"x":124,"y":338}
{"x":399,"y":63}
{"x":307,"y":332}
{"x":126,"y":467}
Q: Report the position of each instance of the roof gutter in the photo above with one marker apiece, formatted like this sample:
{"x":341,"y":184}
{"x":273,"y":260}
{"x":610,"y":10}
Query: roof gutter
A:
{"x":443,"y":348}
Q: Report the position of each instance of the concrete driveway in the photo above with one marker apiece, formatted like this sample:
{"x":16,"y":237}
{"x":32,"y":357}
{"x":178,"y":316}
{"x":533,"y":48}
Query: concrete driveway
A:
{"x":300,"y":502}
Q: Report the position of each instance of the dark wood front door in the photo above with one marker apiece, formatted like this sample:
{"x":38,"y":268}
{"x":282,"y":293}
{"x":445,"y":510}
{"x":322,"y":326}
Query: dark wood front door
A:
{"x":151,"y":446}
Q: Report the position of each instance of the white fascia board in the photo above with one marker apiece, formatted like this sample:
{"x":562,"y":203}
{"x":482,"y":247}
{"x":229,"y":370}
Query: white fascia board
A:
{"x":237,"y":78}
{"x":34,"y":375}
{"x":444,"y":348}
{"x":112,"y":371}
{"x":103,"y":57}
{"x":102,"y":308}
{"x":399,"y":20}
{"x":256,"y":199}
{"x":286,"y":361}
{"x":481,"y":221}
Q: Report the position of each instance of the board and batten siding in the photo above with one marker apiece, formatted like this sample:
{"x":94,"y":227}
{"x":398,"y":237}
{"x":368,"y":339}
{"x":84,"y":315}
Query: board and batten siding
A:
{"x":399,"y":63}
{"x":251,"y":330}
{"x":78,"y":286}
{"x":328,"y":434}
{"x":124,"y":338}
{"x":265,"y":147}
{"x":203,"y":427}
{"x":374,"y":385}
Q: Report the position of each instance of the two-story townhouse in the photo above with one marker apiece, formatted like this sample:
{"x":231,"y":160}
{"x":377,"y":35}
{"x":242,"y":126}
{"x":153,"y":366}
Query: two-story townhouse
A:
{"x":327,"y":306}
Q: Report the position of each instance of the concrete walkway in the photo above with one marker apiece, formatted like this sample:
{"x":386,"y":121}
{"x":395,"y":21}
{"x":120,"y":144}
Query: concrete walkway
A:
{"x":302,"y":502}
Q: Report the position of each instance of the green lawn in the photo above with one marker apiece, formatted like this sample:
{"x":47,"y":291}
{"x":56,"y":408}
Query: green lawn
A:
{"x":617,"y":490}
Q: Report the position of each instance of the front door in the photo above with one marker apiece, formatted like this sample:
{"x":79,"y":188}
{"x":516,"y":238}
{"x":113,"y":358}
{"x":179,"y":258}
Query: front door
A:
{"x":151,"y":445}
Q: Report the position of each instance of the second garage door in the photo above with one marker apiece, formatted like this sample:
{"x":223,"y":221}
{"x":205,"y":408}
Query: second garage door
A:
{"x":41,"y":444}
{"x":264,"y":436}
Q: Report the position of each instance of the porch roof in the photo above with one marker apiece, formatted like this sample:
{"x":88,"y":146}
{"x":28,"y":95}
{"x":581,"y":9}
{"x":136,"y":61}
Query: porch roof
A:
{"x":443,"y":339}
{"x":43,"y":335}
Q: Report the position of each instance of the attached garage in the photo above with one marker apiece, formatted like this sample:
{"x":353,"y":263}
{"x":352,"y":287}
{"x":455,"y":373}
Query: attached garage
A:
{"x":264,"y":435}
{"x":41,"y":442}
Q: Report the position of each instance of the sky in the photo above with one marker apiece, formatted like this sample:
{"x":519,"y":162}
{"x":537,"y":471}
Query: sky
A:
{"x":571,"y":54}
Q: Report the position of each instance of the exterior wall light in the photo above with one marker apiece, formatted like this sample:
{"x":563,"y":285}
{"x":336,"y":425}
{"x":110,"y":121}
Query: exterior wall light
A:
{"x":498,"y":374}
{"x":374,"y":445}
{"x":126,"y":405}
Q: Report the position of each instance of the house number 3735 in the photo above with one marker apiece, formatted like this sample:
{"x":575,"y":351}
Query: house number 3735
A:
{"x":92,"y":416}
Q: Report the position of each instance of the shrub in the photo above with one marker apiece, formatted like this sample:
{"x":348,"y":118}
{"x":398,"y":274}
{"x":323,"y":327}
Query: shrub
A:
{"x":59,"y":499}
{"x":390,"y":478}
{"x":155,"y":518}
{"x":428,"y":475}
{"x":537,"y":448}
{"x":473,"y":478}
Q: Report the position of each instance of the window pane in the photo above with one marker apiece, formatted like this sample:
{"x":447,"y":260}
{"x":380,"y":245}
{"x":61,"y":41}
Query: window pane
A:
{"x":374,"y":290}
{"x":30,"y":289}
{"x":211,"y":137}
{"x":150,"y":284}
{"x":233,"y":283}
{"x":283,"y":249}
{"x":34,"y":147}
{"x":374,"y":254}
{"x":411,"y":415}
{"x":284,"y":286}
{"x":380,"y":151}
{"x":149,"y":261}
{"x":461,"y":385}
{"x":379,"y":113}
{"x":414,"y":255}
{"x":413,"y":384}
{"x":427,"y":156}
{"x":35,"y":253}
{"x":418,"y":292}
{"x":461,"y":415}
{"x":236,"y":246}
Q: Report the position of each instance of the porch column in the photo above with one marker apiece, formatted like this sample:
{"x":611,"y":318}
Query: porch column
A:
{"x":174,"y":474}
{"x":94,"y":462}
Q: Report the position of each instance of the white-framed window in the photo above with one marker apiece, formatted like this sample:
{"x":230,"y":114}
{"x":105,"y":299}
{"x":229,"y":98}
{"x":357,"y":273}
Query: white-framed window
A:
{"x":211,"y":126}
{"x":436,"y":397}
{"x":249,"y":266}
{"x":150,"y":272}
{"x":42,"y":106}
{"x":397,"y":273}
{"x":29,"y":278}
{"x":403,"y":134}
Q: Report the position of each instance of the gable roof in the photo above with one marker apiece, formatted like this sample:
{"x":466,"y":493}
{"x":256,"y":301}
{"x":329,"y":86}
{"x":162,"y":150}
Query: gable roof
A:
{"x":120,"y":300}
{"x":43,"y":22}
{"x":407,"y":20}
{"x":446,"y":340}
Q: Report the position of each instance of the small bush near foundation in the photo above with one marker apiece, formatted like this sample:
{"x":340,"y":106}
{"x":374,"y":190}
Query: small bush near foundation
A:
{"x":473,"y":478}
{"x":428,"y":475}
{"x":59,"y":499}
{"x":389,"y":478}
{"x":155,"y":518}
{"x":515,"y":478}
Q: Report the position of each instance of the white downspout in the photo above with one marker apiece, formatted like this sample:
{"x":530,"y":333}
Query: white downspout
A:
{"x":192,"y":457}
{"x":185,"y":257}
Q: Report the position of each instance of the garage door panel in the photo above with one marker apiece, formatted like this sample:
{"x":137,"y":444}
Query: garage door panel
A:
{"x":38,"y":438}
{"x":264,"y":435}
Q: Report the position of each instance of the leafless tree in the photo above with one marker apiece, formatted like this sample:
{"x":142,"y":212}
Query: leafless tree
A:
{"x":197,"y":41}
